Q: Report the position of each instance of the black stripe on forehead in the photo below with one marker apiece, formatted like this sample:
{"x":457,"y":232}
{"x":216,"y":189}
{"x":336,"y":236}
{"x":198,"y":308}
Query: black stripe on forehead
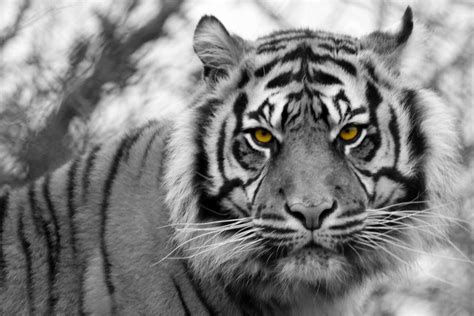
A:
{"x":259,"y":114}
{"x":277,"y":39}
{"x":305,"y":53}
{"x":374,"y":99}
{"x":240,"y":105}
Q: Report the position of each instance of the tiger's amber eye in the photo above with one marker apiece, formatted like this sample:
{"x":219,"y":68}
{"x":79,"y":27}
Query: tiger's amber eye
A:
{"x":262,"y":136}
{"x":349,"y":133}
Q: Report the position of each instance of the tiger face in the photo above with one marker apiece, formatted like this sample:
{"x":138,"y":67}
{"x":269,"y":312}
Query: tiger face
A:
{"x":307,"y":158}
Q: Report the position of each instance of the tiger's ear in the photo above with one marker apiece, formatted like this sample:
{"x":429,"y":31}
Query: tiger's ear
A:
{"x":218,"y":50}
{"x":389,"y":44}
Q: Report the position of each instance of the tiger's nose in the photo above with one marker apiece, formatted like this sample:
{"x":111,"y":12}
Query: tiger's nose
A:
{"x":311,"y":216}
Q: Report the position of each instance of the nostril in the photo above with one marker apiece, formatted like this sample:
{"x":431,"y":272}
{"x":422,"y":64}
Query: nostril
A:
{"x":325,"y":213}
{"x":297,"y":214}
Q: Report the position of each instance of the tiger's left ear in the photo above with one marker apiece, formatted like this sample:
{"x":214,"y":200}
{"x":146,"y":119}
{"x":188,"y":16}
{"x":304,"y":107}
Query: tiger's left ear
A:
{"x":218,"y":50}
{"x":389,"y":44}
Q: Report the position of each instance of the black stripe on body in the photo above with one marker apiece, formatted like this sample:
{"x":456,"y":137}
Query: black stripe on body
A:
{"x":42,"y":229}
{"x":52,"y":211}
{"x":71,"y":209}
{"x":56,"y":248}
{"x":148,"y":147}
{"x":181,"y":298}
{"x":198,"y":291}
{"x":107,"y":192}
{"x":26,"y":249}
{"x":90,"y":161}
{"x":134,"y":137}
{"x":4,"y":204}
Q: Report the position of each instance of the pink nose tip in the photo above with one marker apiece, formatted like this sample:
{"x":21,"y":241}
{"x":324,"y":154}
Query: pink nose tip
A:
{"x":311,"y":216}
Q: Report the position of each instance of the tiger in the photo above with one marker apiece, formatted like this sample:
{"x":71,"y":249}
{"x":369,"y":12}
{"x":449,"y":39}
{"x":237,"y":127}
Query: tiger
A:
{"x":305,"y":168}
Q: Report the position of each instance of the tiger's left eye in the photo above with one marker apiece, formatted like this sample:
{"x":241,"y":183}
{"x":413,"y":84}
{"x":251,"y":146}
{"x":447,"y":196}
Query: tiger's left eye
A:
{"x":349,"y":133}
{"x":262,"y":136}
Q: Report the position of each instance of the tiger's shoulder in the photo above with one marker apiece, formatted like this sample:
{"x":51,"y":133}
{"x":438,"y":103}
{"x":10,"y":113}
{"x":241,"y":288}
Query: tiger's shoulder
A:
{"x":62,"y":234}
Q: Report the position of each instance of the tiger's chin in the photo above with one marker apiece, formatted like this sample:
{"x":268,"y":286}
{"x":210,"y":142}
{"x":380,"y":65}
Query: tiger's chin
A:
{"x":316,"y":267}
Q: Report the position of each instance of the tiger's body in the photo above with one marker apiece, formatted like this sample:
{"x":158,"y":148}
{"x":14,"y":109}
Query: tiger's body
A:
{"x":284,"y":189}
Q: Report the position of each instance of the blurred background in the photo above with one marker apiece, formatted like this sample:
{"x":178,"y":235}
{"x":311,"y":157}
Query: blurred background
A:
{"x":74,"y":73}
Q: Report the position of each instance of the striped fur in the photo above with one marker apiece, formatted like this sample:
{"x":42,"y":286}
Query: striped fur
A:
{"x":99,"y":235}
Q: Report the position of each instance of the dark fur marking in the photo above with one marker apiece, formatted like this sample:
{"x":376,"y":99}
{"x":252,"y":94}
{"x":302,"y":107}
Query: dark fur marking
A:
{"x":107,"y":192}
{"x":272,"y":217}
{"x":87,"y":170}
{"x":346,"y":225}
{"x":26,"y":249}
{"x":199,"y":292}
{"x":244,"y":79}
{"x":260,"y":112}
{"x":147,"y":150}
{"x":205,"y":115}
{"x":71,"y":184}
{"x":374,"y":99}
{"x":358,"y":111}
{"x":281,"y":80}
{"x":220,"y":150}
{"x":395,"y":131}
{"x":270,"y":49}
{"x":416,"y":137}
{"x":239,"y":155}
{"x":133,"y":138}
{"x":240,"y":105}
{"x":42,"y":228}
{"x":4,"y":204}
{"x":265,"y":69}
{"x":325,"y":78}
{"x":276,"y":230}
{"x":70,"y":202}
{"x":181,"y":298}
{"x":57,"y":237}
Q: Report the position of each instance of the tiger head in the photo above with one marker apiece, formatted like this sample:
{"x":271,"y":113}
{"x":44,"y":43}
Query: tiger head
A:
{"x":307,"y":161}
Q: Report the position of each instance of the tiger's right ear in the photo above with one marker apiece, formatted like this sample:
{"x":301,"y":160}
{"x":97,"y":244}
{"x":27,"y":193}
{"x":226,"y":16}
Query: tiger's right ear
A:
{"x":218,"y":50}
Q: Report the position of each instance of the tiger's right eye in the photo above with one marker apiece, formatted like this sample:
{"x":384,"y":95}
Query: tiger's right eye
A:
{"x":262,"y":136}
{"x":349,"y":133}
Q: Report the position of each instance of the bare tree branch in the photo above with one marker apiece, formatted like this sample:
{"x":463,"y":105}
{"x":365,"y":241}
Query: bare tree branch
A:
{"x":268,"y":10}
{"x":462,"y":59}
{"x":13,"y":30}
{"x":48,"y":148}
